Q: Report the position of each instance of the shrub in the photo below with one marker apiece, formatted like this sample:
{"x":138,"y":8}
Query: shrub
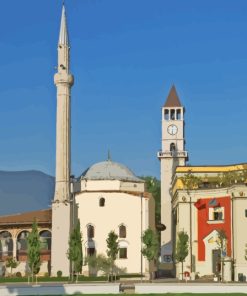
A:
{"x":59,"y":273}
{"x":18,"y":274}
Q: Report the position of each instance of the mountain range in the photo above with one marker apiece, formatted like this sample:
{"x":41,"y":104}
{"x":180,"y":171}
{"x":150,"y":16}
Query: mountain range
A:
{"x":25,"y":191}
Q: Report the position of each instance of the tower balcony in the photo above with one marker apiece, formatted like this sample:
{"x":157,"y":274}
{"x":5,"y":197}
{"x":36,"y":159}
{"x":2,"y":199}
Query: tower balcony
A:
{"x":63,"y":78}
{"x":171,"y":154}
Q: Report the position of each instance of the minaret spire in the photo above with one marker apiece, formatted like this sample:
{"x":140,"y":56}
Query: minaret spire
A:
{"x":63,"y":35}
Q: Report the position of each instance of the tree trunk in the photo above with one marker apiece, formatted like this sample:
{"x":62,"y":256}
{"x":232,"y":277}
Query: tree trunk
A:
{"x":182,"y":270}
{"x":32,"y":272}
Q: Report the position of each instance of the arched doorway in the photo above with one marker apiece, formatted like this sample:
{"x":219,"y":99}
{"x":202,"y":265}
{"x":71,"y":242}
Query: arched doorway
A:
{"x":21,"y":253}
{"x":6,"y":245}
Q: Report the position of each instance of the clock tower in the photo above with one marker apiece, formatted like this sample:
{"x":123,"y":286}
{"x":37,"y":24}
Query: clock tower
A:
{"x":172,"y":154}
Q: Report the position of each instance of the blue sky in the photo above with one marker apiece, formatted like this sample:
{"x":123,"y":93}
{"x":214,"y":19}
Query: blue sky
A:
{"x":125,"y":55}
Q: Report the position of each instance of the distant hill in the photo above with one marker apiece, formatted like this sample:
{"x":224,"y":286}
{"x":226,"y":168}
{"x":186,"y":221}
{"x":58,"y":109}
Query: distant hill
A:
{"x":25,"y":191}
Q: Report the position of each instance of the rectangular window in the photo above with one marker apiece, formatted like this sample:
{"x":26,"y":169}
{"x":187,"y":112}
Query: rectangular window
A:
{"x":90,"y":251}
{"x":245,"y":212}
{"x":216,"y":214}
{"x":166,"y":114}
{"x":123,"y":253}
{"x":178,"y":114}
{"x":172,"y":114}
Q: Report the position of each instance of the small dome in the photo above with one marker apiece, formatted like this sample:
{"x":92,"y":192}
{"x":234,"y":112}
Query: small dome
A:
{"x":109,"y":170}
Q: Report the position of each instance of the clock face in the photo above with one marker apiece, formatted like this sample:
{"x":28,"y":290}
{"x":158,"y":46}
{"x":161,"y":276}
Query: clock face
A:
{"x":172,"y":129}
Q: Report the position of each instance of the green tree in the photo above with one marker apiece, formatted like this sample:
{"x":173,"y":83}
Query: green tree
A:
{"x":12,"y":263}
{"x":112,"y":248}
{"x":190,"y":181}
{"x":33,"y":250}
{"x":74,"y":253}
{"x":151,"y":246}
{"x":182,"y":250}
{"x":227,"y":179}
{"x":243,"y":176}
{"x":153,"y":186}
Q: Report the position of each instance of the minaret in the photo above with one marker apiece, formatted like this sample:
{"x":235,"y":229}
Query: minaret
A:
{"x":61,"y":204}
{"x":171,"y":156}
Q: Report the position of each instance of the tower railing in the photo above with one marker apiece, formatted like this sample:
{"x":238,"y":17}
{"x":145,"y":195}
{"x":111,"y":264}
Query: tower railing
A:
{"x":162,"y":154}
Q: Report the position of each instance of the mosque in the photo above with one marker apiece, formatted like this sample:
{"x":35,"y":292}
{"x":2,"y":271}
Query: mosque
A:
{"x":108,"y":196}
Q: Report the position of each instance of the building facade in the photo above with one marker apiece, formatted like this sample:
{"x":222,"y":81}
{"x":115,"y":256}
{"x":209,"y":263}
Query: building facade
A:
{"x":209,"y":203}
{"x":111,"y":198}
{"x":14,"y":230}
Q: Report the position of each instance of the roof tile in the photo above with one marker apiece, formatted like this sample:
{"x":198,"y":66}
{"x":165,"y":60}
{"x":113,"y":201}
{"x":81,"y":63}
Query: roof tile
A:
{"x":173,"y":99}
{"x":42,"y":216}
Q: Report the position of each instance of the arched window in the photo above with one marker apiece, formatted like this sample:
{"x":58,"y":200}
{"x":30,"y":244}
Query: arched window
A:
{"x":102,"y":202}
{"x":122,"y":231}
{"x":45,"y":246}
{"x":6,"y":245}
{"x":172,"y":147}
{"x":90,"y":232}
{"x":45,"y":240}
{"x":22,"y":246}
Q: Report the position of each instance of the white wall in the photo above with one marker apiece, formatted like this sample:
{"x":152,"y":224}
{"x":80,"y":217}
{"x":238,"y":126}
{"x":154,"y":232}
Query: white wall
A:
{"x":120,"y":208}
{"x":240,"y":237}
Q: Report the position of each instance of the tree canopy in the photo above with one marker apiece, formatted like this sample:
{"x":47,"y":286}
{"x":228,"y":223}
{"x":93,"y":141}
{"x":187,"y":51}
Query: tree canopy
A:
{"x":153,"y":186}
{"x":182,"y":247}
{"x":150,"y":241}
{"x":112,"y":248}
{"x":75,"y":254}
{"x":112,"y":245}
{"x":33,"y":249}
{"x":190,"y":181}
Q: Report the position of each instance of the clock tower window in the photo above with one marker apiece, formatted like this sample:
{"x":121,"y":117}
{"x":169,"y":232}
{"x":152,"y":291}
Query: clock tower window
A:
{"x":173,"y":114}
{"x":178,"y":117}
{"x":172,"y":147}
{"x":166,"y":114}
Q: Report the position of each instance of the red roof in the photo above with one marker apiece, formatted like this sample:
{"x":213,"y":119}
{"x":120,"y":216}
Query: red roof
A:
{"x":42,"y":216}
{"x":173,"y":99}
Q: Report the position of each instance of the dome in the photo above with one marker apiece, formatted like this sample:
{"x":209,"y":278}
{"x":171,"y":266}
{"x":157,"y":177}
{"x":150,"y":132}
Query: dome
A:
{"x":109,"y":170}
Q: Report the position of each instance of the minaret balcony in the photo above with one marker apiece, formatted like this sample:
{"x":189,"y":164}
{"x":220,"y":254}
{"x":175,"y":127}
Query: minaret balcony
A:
{"x":64,"y":78}
{"x":171,"y":154}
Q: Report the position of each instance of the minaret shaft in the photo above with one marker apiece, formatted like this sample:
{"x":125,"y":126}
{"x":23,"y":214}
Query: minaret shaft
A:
{"x":63,"y":80}
{"x":61,"y":207}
